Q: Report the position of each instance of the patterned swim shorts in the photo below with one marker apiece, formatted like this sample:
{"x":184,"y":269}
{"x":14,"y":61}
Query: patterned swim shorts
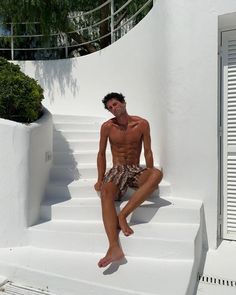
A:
{"x":124,"y":176}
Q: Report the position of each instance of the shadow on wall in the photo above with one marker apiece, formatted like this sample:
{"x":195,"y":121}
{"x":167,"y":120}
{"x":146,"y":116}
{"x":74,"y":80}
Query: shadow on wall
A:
{"x":63,"y":172}
{"x":55,"y":75}
{"x":63,"y":159}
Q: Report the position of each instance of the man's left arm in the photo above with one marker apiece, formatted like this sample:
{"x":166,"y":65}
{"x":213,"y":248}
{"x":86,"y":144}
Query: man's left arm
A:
{"x":147,"y":144}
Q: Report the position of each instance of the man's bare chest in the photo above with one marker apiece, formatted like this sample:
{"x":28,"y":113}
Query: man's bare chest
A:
{"x":131,"y":134}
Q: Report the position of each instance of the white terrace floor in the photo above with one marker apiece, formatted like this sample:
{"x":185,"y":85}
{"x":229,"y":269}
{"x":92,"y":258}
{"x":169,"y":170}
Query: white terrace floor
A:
{"x":220,"y":263}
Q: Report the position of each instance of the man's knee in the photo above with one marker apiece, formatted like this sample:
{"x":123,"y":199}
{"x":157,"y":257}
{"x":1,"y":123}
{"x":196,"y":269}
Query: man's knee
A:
{"x":105,"y":190}
{"x":156,"y":175}
{"x":108,"y":191}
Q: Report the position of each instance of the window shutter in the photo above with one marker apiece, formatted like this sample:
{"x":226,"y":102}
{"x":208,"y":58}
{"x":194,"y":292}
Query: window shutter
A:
{"x":229,"y":133}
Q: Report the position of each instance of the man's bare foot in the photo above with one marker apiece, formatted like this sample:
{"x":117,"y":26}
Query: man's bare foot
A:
{"x":126,"y":229}
{"x":113,"y":254}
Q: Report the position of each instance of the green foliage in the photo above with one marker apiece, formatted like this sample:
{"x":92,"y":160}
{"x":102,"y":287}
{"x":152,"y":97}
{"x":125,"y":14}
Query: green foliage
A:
{"x":20,"y":95}
{"x":62,"y":23}
{"x":52,"y":14}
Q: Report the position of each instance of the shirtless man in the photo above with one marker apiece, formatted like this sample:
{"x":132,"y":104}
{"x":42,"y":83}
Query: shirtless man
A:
{"x":126,"y":135}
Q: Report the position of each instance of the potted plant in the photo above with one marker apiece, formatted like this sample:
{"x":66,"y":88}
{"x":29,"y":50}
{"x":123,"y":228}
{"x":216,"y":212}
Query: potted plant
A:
{"x":20,"y":95}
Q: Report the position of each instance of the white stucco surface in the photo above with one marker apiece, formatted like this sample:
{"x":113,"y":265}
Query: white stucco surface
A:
{"x":23,"y":173}
{"x":220,"y":264}
{"x":40,"y":161}
{"x":167,"y":67}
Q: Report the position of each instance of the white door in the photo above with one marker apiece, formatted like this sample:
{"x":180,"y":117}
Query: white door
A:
{"x":228,"y":50}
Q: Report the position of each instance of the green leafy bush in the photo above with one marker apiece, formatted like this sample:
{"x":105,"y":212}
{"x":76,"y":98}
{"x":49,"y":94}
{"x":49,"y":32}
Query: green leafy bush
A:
{"x":20,"y":95}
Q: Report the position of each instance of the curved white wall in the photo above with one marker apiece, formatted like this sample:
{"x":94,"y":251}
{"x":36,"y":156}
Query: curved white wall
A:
{"x":77,"y":85}
{"x":23,"y":175}
{"x":167,"y":67}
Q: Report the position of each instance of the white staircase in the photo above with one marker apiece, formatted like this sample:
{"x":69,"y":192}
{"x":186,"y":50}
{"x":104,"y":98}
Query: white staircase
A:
{"x":162,"y":257}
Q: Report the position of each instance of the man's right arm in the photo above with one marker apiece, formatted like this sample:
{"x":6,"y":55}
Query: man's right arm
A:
{"x":101,"y":157}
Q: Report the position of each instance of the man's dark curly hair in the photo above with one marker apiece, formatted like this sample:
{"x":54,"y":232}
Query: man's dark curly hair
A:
{"x":118,"y":96}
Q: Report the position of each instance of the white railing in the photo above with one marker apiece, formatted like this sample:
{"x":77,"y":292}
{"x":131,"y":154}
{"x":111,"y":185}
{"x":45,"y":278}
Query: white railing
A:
{"x":62,"y":42}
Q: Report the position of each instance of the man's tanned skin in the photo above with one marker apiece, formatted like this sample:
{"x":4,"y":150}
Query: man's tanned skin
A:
{"x":126,"y":135}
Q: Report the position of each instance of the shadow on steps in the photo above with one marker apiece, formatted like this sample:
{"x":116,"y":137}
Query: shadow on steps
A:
{"x":145,"y":212}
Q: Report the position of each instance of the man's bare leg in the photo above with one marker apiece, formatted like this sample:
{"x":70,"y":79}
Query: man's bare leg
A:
{"x":110,"y":220}
{"x":148,"y":182}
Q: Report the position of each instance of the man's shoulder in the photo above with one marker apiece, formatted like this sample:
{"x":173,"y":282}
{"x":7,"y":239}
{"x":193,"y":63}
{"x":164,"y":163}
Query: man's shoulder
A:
{"x":139,"y":120}
{"x":107,"y":124}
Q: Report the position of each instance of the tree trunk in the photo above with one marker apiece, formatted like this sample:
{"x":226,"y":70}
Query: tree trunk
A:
{"x":81,"y":39}
{"x":105,"y":26}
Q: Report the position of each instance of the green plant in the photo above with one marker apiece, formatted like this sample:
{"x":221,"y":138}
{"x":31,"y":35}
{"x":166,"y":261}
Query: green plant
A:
{"x":20,"y":95}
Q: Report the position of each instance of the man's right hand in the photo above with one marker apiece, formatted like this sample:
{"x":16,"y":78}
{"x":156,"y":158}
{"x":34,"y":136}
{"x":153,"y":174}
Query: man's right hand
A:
{"x":98,"y":186}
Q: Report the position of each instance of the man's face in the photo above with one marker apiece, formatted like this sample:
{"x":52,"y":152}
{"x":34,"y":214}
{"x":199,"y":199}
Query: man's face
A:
{"x":116,"y":107}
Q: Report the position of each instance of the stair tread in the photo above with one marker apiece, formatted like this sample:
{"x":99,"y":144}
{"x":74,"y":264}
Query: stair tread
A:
{"x":83,"y":165}
{"x":75,"y":123}
{"x":64,"y":119}
{"x":150,"y":275}
{"x":77,"y":152}
{"x":75,"y":140}
{"x":162,"y":231}
{"x":75,"y":131}
{"x":79,"y":165}
{"x":166,"y":203}
{"x":89,"y":182}
{"x":75,"y":183}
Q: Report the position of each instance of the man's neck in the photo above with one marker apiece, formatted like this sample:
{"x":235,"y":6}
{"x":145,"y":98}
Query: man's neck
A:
{"x":123,"y":119}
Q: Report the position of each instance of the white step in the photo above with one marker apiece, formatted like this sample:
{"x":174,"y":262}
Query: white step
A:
{"x":76,"y":171}
{"x":60,"y":118}
{"x":82,"y":157}
{"x":84,"y":188}
{"x":76,"y":135}
{"x":60,"y":145}
{"x":68,"y":272}
{"x":77,"y":126}
{"x":162,"y":211}
{"x":73,"y":172}
{"x":169,"y":241}
{"x":76,"y":189}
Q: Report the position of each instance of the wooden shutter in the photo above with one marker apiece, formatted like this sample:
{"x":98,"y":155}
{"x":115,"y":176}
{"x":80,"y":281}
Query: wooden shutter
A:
{"x":229,"y":133}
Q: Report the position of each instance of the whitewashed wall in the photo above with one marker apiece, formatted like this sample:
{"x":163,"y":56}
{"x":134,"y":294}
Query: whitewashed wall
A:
{"x":189,"y":82}
{"x":167,"y":67}
{"x":77,"y":85}
{"x":23,"y":176}
{"x":40,"y":161}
